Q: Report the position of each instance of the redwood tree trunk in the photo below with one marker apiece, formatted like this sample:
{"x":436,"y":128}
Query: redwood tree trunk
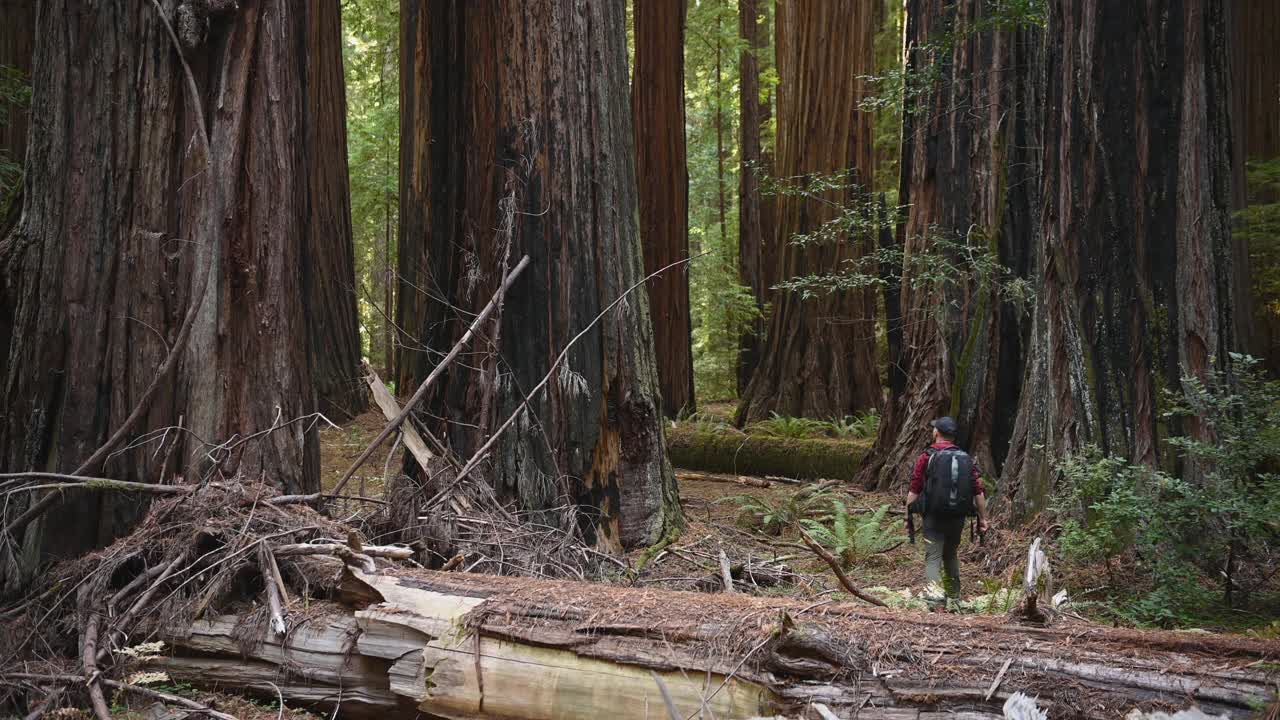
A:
{"x":17,"y":39}
{"x":121,"y":211}
{"x":1134,"y":258}
{"x":517,"y":139}
{"x":329,"y":271}
{"x":970,"y":176}
{"x":819,"y":354}
{"x":751,"y":235}
{"x":1255,"y":25}
{"x":657,"y":99}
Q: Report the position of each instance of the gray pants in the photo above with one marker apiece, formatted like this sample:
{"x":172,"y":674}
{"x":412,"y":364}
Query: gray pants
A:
{"x":941,"y":545}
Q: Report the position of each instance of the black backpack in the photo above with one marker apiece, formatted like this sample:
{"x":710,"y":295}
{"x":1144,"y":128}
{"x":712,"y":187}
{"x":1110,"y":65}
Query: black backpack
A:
{"x":948,"y":488}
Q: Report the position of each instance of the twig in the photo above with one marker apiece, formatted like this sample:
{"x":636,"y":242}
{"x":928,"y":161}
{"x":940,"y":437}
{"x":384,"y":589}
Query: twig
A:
{"x":825,"y":712}
{"x":123,"y":623}
{"x":83,"y":482}
{"x":834,"y":564}
{"x":435,"y":373}
{"x":484,"y":449}
{"x":999,"y":676}
{"x":88,"y":655}
{"x":124,"y":687}
{"x":271,"y":579}
{"x":726,"y":576}
{"x":666,"y":696}
{"x":343,"y":552}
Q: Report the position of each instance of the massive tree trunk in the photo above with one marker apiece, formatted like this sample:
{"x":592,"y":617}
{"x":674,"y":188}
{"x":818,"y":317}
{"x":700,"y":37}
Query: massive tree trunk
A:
{"x":122,"y":212}
{"x":819,"y":354}
{"x":17,"y":39}
{"x":517,"y":139}
{"x":1254,"y":27}
{"x":657,"y":99}
{"x":970,"y":178}
{"x":1134,"y":259}
{"x":751,"y":226}
{"x":455,"y":645}
{"x":329,"y":280}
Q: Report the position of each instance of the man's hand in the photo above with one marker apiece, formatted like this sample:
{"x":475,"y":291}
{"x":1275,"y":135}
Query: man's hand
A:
{"x":983,"y":525}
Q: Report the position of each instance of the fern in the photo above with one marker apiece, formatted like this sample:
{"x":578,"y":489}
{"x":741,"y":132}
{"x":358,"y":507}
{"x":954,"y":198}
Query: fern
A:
{"x":850,"y":538}
{"x":789,"y":427}
{"x":773,"y":517}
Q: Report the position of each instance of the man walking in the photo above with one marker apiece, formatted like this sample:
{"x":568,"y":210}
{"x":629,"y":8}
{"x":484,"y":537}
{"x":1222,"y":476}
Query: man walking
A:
{"x":947,"y":484}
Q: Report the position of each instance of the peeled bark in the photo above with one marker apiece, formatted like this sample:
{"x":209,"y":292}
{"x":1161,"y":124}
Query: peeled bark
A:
{"x":819,"y":354}
{"x":517,"y":139}
{"x":329,"y":279}
{"x":1134,"y":258}
{"x":121,"y":211}
{"x":657,"y":99}
{"x":970,"y":176}
{"x":455,"y":645}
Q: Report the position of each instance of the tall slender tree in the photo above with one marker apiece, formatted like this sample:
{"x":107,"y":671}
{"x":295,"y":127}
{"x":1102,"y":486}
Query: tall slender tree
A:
{"x":751,"y":225}
{"x":517,"y":139}
{"x":1134,"y":254}
{"x":329,"y":271}
{"x":126,"y":208}
{"x":657,"y":99}
{"x":970,"y":177}
{"x":819,"y":354}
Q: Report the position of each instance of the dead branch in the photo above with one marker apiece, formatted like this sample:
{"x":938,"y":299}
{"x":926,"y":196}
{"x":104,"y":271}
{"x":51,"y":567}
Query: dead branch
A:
{"x":89,"y":657}
{"x":343,"y":552}
{"x":391,"y":410}
{"x":834,"y":564}
{"x":431,"y":378}
{"x":726,"y":577}
{"x":272,"y":582}
{"x":524,"y":404}
{"x":164,"y":697}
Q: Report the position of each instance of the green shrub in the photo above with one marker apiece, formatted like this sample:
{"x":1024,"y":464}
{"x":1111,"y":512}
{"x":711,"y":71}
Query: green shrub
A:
{"x":854,"y":426}
{"x":1217,"y":521}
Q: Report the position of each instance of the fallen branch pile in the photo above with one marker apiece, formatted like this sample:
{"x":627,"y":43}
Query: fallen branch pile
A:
{"x":260,"y":597}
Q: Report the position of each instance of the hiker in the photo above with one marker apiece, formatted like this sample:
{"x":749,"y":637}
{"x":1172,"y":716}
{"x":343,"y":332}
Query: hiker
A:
{"x":948,"y":487}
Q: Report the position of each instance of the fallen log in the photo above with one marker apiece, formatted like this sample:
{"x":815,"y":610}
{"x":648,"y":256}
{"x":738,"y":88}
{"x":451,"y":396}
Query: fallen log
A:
{"x":455,"y":645}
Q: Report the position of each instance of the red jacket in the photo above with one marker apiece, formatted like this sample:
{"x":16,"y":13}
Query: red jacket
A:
{"x":917,"y":474}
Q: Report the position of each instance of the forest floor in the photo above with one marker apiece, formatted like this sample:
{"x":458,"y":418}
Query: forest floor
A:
{"x":724,"y":512}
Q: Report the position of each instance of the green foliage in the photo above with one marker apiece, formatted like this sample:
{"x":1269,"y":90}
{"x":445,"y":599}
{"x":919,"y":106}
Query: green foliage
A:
{"x":1219,"y":521}
{"x":854,"y":426}
{"x":787,"y":427}
{"x":853,"y":538}
{"x":1259,"y":225}
{"x":773,"y":516}
{"x":722,"y":308}
{"x":371,"y":60}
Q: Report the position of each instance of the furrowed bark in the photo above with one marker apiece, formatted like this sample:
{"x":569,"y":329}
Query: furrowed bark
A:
{"x":657,"y":99}
{"x":1134,"y":259}
{"x":520,"y":141}
{"x":459,"y":646}
{"x":970,"y":177}
{"x":819,"y":354}
{"x":124,"y":199}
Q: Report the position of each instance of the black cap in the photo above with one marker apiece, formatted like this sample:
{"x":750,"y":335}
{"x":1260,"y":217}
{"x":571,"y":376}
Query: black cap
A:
{"x":946,"y":426}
